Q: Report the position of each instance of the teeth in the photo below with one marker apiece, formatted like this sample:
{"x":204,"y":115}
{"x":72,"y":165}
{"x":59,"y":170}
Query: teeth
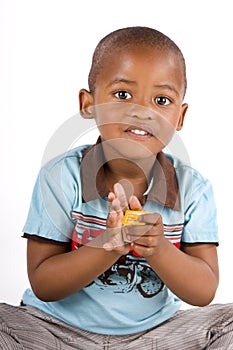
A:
{"x":139,"y":132}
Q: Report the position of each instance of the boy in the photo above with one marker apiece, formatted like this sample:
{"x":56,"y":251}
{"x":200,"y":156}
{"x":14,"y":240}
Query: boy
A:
{"x":97,"y":280}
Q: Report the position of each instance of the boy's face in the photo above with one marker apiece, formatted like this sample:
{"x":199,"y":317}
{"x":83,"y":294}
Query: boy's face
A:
{"x":137,"y":103}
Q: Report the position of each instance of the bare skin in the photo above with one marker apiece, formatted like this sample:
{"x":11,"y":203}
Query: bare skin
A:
{"x":152,"y":80}
{"x":196,"y":265}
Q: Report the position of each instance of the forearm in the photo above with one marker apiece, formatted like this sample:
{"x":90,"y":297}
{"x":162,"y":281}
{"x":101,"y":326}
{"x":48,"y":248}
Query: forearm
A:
{"x":188,"y":277}
{"x":64,"y":274}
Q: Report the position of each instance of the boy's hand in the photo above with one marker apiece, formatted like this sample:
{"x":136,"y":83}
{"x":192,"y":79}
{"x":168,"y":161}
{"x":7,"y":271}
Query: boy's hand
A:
{"x":146,"y":239}
{"x":117,"y":205}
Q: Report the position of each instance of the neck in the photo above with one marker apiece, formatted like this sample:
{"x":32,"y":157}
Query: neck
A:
{"x":135,"y":177}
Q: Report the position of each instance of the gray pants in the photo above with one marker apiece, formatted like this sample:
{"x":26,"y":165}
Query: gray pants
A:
{"x":209,"y":327}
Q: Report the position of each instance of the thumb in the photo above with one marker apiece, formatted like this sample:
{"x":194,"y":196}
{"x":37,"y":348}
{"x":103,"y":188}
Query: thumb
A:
{"x":134,"y":203}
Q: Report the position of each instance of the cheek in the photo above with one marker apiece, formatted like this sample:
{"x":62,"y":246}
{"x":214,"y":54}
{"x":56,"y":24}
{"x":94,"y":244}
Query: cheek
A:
{"x":164,"y":130}
{"x":108,"y":131}
{"x":168,"y":129}
{"x":110,"y":113}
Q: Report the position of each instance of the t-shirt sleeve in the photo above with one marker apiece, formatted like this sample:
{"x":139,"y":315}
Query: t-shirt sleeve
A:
{"x":200,"y":220}
{"x":51,"y":204}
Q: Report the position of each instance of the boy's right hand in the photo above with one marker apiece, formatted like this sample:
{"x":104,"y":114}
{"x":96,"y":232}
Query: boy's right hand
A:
{"x":117,"y":206}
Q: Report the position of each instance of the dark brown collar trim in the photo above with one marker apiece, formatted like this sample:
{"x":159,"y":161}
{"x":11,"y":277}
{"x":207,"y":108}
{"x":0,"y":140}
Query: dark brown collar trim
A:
{"x":164,"y":189}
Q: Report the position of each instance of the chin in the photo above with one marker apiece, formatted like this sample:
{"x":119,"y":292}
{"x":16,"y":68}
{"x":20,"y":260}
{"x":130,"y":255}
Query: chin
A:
{"x":130,"y":150}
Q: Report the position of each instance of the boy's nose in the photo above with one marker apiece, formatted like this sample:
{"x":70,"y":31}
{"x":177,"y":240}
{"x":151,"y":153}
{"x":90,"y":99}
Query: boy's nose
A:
{"x":141,"y":112}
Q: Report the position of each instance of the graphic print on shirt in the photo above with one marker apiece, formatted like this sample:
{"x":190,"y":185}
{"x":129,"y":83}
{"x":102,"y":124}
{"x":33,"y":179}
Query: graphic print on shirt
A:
{"x":131,"y":273}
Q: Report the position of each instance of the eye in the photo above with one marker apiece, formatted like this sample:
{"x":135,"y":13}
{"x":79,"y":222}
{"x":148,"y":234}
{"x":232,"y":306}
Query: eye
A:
{"x":122,"y":95}
{"x":162,"y":100}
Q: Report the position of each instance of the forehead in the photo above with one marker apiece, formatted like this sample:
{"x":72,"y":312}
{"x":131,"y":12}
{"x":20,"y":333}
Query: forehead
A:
{"x":142,"y":63}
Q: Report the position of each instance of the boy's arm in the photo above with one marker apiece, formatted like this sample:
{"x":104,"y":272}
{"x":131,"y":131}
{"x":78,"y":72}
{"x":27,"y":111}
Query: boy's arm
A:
{"x":55,"y":273}
{"x":190,"y":273}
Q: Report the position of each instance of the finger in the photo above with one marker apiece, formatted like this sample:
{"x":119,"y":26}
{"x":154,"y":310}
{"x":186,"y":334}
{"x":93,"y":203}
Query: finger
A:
{"x":146,"y":241}
{"x":134,"y":203}
{"x":134,"y":232}
{"x":111,"y":197}
{"x":128,"y":188}
{"x":112,"y":219}
{"x":142,"y":250}
{"x":153,"y":219}
{"x":116,"y":205}
{"x":121,"y":195}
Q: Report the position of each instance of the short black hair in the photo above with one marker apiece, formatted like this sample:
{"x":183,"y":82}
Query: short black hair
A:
{"x":126,"y":38}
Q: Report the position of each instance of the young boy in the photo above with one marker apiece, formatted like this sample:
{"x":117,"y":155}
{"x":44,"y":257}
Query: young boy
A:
{"x":100,"y":280}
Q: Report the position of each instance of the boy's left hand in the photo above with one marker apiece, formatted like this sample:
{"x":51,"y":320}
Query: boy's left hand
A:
{"x":146,"y":239}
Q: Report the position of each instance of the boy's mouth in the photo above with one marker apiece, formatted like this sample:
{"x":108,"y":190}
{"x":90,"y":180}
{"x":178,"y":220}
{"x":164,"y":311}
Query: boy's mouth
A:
{"x":137,"y":132}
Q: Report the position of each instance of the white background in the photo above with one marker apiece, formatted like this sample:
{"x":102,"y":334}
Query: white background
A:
{"x":45,"y":55}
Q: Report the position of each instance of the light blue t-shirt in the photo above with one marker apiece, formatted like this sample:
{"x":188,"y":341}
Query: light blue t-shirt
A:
{"x":129,"y":297}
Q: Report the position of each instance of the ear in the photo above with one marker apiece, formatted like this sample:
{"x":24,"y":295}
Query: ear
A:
{"x":86,"y":104}
{"x":184,"y":108}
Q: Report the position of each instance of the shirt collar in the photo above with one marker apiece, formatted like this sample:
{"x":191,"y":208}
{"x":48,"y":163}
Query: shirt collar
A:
{"x":162,"y":189}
